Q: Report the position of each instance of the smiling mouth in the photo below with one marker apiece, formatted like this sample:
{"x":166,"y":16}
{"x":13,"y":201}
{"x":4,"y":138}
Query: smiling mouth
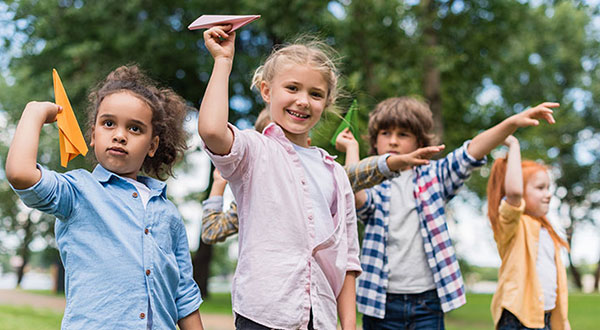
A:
{"x":297,"y":114}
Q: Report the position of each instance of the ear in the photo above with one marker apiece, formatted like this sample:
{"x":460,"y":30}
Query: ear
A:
{"x":92,"y":136}
{"x":153,"y":146}
{"x":265,"y":91}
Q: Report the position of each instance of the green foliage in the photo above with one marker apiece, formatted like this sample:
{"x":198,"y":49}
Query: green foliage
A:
{"x":24,"y":317}
{"x":494,"y":58}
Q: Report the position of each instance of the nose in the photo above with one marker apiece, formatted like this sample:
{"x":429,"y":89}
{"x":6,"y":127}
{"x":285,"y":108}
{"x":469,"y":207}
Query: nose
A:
{"x":302,"y":100}
{"x":393,"y":139}
{"x":119,"y":137}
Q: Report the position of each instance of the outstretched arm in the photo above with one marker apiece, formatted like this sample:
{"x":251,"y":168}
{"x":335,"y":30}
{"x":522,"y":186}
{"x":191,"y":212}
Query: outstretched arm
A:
{"x":513,"y":182}
{"x":21,"y":170}
{"x":214,"y":110}
{"x":484,"y":142}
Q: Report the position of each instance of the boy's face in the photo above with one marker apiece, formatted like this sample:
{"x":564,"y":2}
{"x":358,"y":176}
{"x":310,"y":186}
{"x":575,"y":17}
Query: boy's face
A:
{"x":395,"y":141}
{"x":122,"y":134}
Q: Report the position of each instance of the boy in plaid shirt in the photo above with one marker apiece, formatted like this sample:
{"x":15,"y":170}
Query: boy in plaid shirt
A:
{"x":410,"y":273}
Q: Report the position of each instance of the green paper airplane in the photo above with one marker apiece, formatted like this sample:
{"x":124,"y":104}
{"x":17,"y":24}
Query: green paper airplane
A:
{"x":350,"y":120}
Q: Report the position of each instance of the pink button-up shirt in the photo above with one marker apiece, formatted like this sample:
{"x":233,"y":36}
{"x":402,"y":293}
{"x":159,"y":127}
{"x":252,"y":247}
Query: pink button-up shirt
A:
{"x":282,"y":270}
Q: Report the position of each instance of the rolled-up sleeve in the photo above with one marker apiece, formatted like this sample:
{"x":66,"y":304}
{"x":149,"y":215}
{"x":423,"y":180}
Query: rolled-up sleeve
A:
{"x":234,"y":164}
{"x":188,"y":297}
{"x":52,"y":194}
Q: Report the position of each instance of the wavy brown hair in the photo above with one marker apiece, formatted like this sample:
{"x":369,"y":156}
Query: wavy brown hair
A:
{"x":495,"y":193}
{"x":401,"y":112}
{"x":168,"y":113}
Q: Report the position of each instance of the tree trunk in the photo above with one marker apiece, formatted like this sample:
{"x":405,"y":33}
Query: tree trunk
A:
{"x":203,"y":256}
{"x":432,"y":81}
{"x":59,"y":280}
{"x":597,"y":277}
{"x":24,"y":251}
{"x":201,"y":262}
{"x":574,"y":271}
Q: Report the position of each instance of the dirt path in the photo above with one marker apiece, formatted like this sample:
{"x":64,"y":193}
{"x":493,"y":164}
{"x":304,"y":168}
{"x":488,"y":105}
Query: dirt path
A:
{"x":57,"y":304}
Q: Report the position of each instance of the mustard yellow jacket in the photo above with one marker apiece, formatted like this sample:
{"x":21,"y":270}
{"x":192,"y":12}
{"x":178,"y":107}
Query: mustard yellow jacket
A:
{"x":519,"y":290}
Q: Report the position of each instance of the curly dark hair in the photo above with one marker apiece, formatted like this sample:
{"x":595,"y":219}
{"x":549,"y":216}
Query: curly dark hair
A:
{"x":168,"y":113}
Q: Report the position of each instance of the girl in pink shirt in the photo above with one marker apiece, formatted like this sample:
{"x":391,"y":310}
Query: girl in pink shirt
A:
{"x":298,"y":244}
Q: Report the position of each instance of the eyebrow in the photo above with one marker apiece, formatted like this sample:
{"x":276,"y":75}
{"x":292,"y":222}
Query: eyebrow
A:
{"x":135,"y":121}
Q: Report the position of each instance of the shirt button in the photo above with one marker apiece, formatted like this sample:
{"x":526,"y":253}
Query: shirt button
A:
{"x":310,"y":217}
{"x":146,"y":231}
{"x":135,"y":195}
{"x":303,"y":181}
{"x":142,"y":316}
{"x":148,"y":271}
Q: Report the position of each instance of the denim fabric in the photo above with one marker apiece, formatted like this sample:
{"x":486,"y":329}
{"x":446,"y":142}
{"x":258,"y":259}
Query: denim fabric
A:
{"x":409,"y":311}
{"x":121,"y":260}
{"x":509,"y":321}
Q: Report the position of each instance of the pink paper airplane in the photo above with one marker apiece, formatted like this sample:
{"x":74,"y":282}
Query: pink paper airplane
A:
{"x":208,"y":21}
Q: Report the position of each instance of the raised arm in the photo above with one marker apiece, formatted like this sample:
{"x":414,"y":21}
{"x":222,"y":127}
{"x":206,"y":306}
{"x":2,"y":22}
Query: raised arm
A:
{"x":21,"y":170}
{"x":214,"y":110}
{"x":513,"y":182}
{"x":345,"y":142}
{"x":484,"y":142}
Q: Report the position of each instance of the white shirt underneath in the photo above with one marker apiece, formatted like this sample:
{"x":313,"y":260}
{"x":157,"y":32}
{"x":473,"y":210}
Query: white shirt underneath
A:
{"x":546,"y":269}
{"x":409,"y":269}
{"x":321,"y":189}
{"x":143,"y":191}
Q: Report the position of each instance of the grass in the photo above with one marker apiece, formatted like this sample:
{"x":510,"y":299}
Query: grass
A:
{"x":584,"y":313}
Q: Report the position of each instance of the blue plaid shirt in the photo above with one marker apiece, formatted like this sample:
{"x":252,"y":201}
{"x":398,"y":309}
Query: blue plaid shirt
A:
{"x":435,"y":184}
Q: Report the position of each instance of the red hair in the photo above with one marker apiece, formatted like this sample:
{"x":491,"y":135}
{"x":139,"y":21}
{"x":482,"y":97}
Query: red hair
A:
{"x":495,"y":193}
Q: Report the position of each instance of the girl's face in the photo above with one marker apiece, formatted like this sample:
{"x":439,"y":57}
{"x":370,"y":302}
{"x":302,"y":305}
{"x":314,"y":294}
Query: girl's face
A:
{"x":296,"y":96}
{"x":122,"y":134}
{"x":537,"y":194}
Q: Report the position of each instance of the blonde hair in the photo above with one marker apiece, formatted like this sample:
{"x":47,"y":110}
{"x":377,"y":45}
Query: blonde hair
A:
{"x":305,"y":51}
{"x":263,"y":119}
{"x":495,"y":193}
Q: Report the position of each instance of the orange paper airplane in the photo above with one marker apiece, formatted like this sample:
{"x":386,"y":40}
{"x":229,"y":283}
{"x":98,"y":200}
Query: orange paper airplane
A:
{"x":69,"y":134}
{"x":208,"y":21}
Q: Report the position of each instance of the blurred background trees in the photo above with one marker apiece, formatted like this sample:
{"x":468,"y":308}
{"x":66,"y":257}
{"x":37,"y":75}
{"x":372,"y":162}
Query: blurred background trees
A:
{"x":476,"y":62}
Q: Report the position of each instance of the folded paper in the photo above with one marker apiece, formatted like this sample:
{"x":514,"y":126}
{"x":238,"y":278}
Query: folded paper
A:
{"x":350,"y":120}
{"x":208,"y":21}
{"x":69,"y":134}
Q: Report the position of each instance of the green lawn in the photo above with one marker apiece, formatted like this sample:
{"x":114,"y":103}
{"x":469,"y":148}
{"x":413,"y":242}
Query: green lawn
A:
{"x":584,"y":313}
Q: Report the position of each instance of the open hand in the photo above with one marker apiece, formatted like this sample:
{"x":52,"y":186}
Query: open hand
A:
{"x":219,"y":42}
{"x":418,"y":157}
{"x":531,"y":116}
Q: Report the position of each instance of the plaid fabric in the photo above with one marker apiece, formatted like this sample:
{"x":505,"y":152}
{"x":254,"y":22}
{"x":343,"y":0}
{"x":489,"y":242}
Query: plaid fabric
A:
{"x":218,"y":225}
{"x":435,"y":184}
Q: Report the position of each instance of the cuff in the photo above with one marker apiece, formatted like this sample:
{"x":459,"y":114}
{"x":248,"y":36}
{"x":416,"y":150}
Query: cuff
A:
{"x":470,"y":159}
{"x":214,"y":203}
{"x":33,"y":194}
{"x":384,"y":168}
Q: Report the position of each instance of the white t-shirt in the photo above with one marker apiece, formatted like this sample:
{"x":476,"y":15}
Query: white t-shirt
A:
{"x":546,"y":269}
{"x":321,"y":188}
{"x":409,"y":269}
{"x":143,"y":191}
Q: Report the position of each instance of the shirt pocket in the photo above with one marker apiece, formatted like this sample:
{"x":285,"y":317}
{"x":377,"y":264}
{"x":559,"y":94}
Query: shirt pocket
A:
{"x":164,"y":230}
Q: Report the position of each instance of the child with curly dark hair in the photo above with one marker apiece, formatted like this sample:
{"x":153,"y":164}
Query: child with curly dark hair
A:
{"x":122,"y":242}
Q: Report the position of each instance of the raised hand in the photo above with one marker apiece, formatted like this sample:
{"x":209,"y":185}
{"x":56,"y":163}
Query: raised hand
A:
{"x":345,"y":140}
{"x":531,"y":116}
{"x":219,"y":42}
{"x":510,"y":140}
{"x":47,"y":110}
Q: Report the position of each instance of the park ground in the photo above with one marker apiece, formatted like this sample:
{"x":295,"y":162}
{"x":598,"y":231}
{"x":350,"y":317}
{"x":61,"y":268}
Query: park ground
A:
{"x":42,"y":310}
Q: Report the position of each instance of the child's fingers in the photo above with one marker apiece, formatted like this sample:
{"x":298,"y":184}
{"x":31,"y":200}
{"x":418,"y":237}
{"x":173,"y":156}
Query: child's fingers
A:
{"x":550,"y":104}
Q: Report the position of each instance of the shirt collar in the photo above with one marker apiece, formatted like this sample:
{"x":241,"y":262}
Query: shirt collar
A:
{"x":103,"y":175}
{"x":276,"y":132}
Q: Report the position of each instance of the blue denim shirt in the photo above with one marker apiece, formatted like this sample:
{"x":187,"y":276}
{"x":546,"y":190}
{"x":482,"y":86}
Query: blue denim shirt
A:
{"x":118,"y":257}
